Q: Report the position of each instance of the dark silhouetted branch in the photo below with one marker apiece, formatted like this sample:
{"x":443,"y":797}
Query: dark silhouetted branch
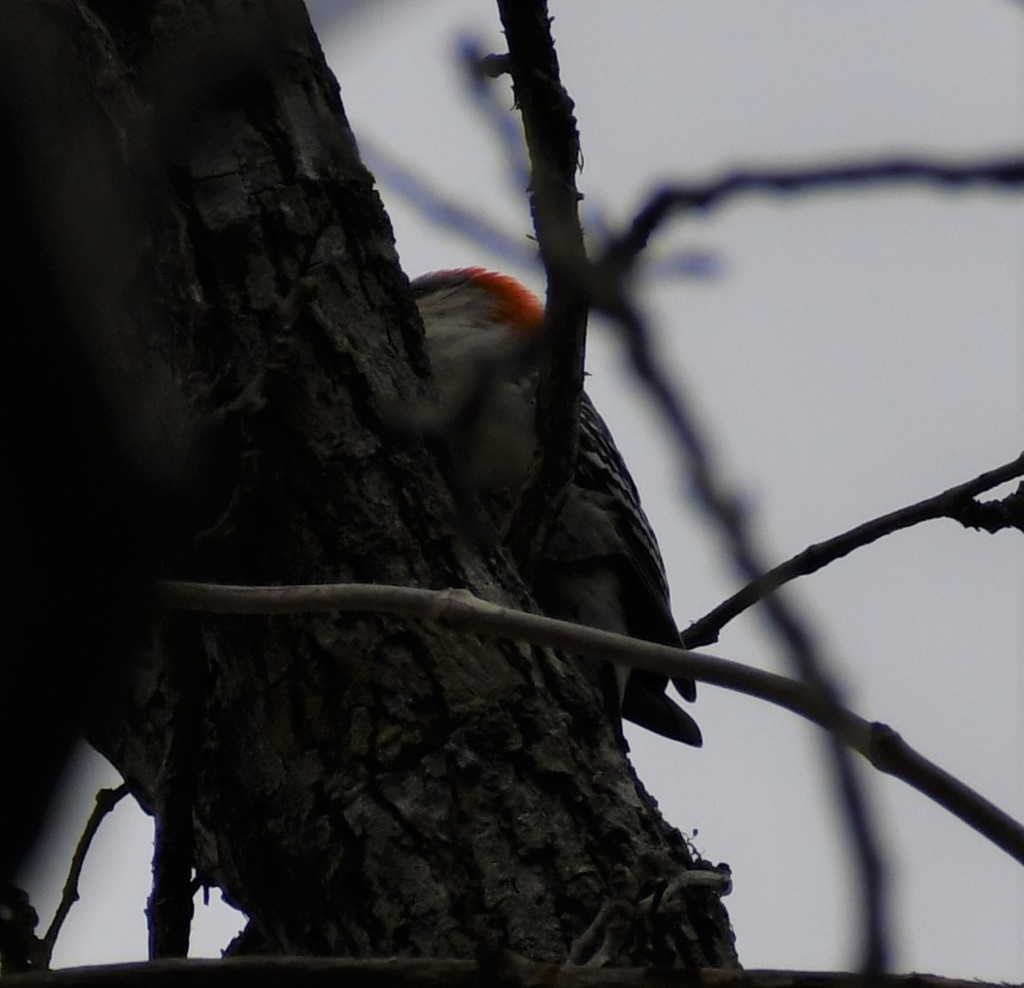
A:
{"x":688,"y":197}
{"x":170,"y":908}
{"x":553,"y":143}
{"x":724,"y":509}
{"x":957,"y":503}
{"x":447,"y":213}
{"x":106,"y":800}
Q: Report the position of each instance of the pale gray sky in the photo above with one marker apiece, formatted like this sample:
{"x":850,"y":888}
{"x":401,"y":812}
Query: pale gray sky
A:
{"x":856,"y":352}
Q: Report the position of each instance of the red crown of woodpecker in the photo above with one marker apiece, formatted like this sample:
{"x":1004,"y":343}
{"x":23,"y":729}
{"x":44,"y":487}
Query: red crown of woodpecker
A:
{"x":515,"y":304}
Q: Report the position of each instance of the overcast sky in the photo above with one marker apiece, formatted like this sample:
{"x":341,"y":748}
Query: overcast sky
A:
{"x":852,"y":353}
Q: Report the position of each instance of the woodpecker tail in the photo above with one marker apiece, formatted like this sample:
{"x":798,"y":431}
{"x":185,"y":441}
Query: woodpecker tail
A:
{"x":645,"y":703}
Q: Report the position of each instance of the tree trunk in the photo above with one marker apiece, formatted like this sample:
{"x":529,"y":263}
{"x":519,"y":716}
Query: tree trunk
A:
{"x":358,"y":785}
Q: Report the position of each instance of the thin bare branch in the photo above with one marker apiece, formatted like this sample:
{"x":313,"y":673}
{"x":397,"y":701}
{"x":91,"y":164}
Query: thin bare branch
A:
{"x":553,"y":143}
{"x":510,"y":248}
{"x":448,"y":213}
{"x":956,"y":503}
{"x":684,"y":198}
{"x":106,"y":800}
{"x":993,"y":516}
{"x":492,"y":105}
{"x":724,"y":509}
{"x":169,"y":910}
{"x":459,"y":609}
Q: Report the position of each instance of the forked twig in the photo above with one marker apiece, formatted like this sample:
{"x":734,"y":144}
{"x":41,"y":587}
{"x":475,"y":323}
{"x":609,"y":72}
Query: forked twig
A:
{"x":951,"y":503}
{"x":106,"y":800}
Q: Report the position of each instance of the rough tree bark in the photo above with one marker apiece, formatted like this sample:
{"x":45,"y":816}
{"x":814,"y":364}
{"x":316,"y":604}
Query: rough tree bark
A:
{"x":358,"y":785}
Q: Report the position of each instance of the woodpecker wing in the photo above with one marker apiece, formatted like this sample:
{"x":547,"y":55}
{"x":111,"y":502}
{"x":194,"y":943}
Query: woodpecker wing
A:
{"x":600,"y":469}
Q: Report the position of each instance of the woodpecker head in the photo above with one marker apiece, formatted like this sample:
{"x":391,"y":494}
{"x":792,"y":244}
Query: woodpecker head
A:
{"x":481,"y":333}
{"x":473,"y":307}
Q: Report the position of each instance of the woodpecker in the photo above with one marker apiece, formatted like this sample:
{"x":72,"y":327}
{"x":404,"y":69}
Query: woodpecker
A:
{"x":601,"y":565}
